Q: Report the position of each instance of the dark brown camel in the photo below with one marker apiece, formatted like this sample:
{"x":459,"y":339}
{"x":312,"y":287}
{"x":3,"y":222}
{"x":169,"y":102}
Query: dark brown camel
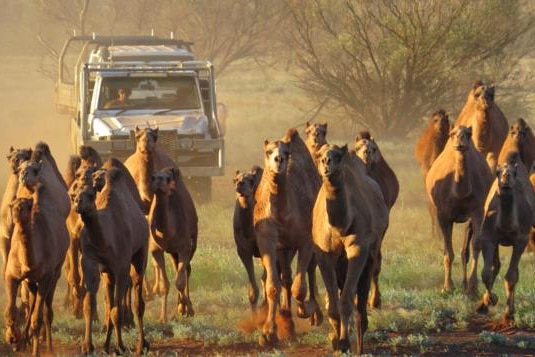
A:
{"x":39,"y":244}
{"x":79,"y":170}
{"x":509,"y":217}
{"x":173,"y":229}
{"x":457,"y":184}
{"x":244,"y":234}
{"x":489,"y":125}
{"x":368,"y":152}
{"x":521,"y":140}
{"x":350,"y":219}
{"x":428,"y":147}
{"x":114,"y":244}
{"x":283,"y":223}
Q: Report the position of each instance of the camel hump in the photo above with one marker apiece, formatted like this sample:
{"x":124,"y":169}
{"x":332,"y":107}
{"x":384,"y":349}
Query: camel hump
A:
{"x":89,"y":154}
{"x":41,"y":150}
{"x":291,"y":135}
{"x":364,"y":134}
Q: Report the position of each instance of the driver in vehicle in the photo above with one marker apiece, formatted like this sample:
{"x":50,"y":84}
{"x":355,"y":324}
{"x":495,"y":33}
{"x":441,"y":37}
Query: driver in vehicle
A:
{"x":120,"y":100}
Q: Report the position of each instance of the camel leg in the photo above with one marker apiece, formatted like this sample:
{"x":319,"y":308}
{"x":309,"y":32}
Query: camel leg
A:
{"x":246,"y":258}
{"x":316,"y":318}
{"x":184,"y":306}
{"x":128,"y":315}
{"x":299,"y":287}
{"x":139,"y":262}
{"x":465,"y":253}
{"x":375,"y":294}
{"x":284,"y":261}
{"x":363,"y":289}
{"x":491,"y":266}
{"x":92,"y":280}
{"x":158,"y":260}
{"x":511,"y":278}
{"x":268,"y":252}
{"x":5,"y":247}
{"x":327,"y":263}
{"x":434,"y":225}
{"x":109,"y":284}
{"x":473,"y":238}
{"x":36,"y":323}
{"x":357,"y":258}
{"x":446,"y":228}
{"x":12,"y":334}
{"x":121,"y":284}
{"x":49,"y":311}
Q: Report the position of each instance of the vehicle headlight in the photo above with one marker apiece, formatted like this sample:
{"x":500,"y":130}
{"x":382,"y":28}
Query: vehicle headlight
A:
{"x":100,"y":128}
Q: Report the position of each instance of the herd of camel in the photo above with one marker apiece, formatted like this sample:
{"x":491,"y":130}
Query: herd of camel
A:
{"x":331,"y":205}
{"x":325,"y":203}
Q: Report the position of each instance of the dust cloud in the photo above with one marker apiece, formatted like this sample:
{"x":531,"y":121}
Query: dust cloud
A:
{"x":28,"y":112}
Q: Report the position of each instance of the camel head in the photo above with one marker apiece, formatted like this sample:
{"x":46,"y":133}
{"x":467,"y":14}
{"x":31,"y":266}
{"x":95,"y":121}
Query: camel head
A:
{"x":315,"y":135}
{"x":82,"y":177}
{"x":461,"y":137}
{"x":21,"y":209}
{"x":146,"y":139}
{"x":16,"y":156}
{"x":507,"y":174}
{"x":83,"y":199}
{"x":164,"y":181}
{"x":244,"y":183}
{"x":29,"y":174}
{"x":89,"y":156}
{"x":276,"y":157}
{"x":518,"y":130}
{"x":366,"y":149}
{"x":483,"y":96}
{"x":329,"y":159}
{"x":440,"y":122}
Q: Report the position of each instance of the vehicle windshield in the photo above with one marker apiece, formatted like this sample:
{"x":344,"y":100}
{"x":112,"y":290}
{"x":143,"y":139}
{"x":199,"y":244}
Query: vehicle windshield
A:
{"x":173,"y":92}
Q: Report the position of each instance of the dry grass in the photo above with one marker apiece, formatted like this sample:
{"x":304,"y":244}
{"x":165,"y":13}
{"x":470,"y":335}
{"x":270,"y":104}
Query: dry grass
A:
{"x":263,"y":104}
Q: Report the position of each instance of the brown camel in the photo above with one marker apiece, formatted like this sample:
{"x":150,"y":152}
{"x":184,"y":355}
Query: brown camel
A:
{"x":173,"y":229}
{"x":315,"y":137}
{"x":39,"y":244}
{"x":457,"y":184}
{"x":283,"y":223}
{"x":246,"y":184}
{"x":114,"y":244}
{"x":488,"y":122}
{"x":521,"y":140}
{"x":509,"y":217}
{"x":378,"y":169}
{"x":349,"y":222}
{"x":428,"y":147}
{"x":432,"y":141}
{"x":15,"y":157}
{"x":79,"y":170}
{"x":146,"y":160}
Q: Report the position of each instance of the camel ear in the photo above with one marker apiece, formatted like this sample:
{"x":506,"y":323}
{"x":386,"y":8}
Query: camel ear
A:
{"x":477,"y":83}
{"x":176,"y":173}
{"x":266,"y":142}
{"x":324,"y":125}
{"x":308,"y":123}
{"x":136,"y":129}
{"x":343,"y":149}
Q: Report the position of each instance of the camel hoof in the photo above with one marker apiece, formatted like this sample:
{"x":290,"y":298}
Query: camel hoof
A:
{"x":88,"y":349}
{"x":344,"y":345}
{"x":142,"y":347}
{"x":268,"y":339}
{"x":482,"y":309}
{"x":185,"y":309}
{"x":307,"y":308}
{"x":334,"y":341}
{"x":316,"y":319}
{"x":375,"y":303}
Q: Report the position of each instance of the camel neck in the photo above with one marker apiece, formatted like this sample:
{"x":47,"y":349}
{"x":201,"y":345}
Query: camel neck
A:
{"x":277,"y":193}
{"x":507,"y":214}
{"x":24,"y":232}
{"x":462,"y":185}
{"x":245,"y":202}
{"x":93,"y":227}
{"x":336,"y":202}
{"x":147,"y":169}
{"x":159,"y":216}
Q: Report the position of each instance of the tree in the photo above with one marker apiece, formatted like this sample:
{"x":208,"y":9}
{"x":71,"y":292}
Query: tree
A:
{"x":223,"y":31}
{"x":385,"y":64}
